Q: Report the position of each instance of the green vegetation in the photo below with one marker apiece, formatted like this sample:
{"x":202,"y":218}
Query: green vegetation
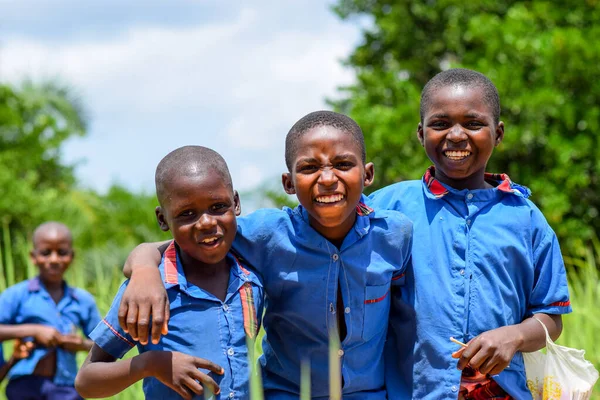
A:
{"x":542,"y":55}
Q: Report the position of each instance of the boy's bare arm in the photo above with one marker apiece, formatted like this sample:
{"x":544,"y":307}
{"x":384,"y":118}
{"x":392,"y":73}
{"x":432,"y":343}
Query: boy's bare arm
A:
{"x":102,"y":376}
{"x":145,"y":298}
{"x":492,"y":351}
{"x":44,"y":335}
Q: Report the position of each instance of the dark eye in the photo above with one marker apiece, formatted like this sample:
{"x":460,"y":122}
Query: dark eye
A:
{"x":185,"y":214}
{"x":438,"y":125}
{"x":220,"y":208}
{"x":63,"y":252}
{"x":308,"y":168}
{"x":344,"y":165}
{"x":474,"y":125}
{"x":45,"y":252}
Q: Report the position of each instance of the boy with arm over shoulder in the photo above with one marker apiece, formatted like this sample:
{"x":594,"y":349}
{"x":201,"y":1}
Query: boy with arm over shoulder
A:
{"x":48,"y":311}
{"x":484,"y":258}
{"x":215,"y":301}
{"x":327,"y":265}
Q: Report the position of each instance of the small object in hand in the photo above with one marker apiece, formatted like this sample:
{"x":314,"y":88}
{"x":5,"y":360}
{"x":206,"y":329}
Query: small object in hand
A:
{"x":457,"y":342}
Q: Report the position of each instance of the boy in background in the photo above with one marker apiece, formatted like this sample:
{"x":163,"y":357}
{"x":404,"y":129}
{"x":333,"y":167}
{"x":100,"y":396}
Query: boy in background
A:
{"x":484,"y":259}
{"x":48,"y":311}
{"x":215,"y":301}
{"x":327,"y":266}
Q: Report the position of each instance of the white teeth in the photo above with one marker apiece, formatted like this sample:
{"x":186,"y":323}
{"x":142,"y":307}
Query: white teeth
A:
{"x":210,"y":240}
{"x":330,"y":199}
{"x":457,"y":154}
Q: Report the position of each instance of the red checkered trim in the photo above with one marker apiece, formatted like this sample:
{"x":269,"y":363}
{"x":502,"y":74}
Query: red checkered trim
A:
{"x":171,"y":264}
{"x":362,"y":209}
{"x":395,"y":278}
{"x":377,"y":300}
{"x":438,"y":190}
{"x":117,"y":334}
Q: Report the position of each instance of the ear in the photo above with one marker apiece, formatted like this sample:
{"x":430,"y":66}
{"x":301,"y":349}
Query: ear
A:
{"x":237,"y":205}
{"x":420,"y":135}
{"x":369,"y":174}
{"x":160,"y":217}
{"x":499,"y":133}
{"x":32,"y":256}
{"x":288,"y":183}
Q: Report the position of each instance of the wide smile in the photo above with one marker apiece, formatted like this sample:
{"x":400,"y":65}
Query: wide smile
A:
{"x":210,"y":242}
{"x":329,"y":199}
{"x":457,"y":155}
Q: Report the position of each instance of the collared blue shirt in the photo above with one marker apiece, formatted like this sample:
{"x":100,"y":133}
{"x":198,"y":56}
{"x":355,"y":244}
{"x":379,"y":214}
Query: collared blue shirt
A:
{"x":301,"y":273}
{"x":481,"y":259}
{"x":28,"y":302}
{"x":200,"y":325}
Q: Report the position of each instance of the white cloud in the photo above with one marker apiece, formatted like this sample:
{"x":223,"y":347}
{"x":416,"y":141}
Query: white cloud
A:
{"x":235,"y":85}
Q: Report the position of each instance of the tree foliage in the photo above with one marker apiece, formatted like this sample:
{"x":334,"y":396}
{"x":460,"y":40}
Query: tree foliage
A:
{"x":545,"y":60}
{"x":37,"y":186}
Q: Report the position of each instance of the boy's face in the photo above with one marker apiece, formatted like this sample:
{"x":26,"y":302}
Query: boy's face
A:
{"x":52,"y":253}
{"x":459,"y":134}
{"x":328,"y":177}
{"x":200,"y":211}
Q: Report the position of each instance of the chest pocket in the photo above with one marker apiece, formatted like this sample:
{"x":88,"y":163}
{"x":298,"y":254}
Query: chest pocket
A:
{"x":376,"y":310}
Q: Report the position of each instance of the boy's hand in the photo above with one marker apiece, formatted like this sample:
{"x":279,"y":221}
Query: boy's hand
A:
{"x":22,"y":350}
{"x":180,"y":372}
{"x":145,"y":298}
{"x":46,"y":336}
{"x":492,"y":351}
{"x":71,"y":342}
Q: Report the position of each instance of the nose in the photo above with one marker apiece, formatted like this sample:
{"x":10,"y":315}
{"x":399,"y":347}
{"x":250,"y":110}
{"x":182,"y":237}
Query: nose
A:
{"x":456,"y":133}
{"x":327,"y":177}
{"x":53,"y":257}
{"x":206,"y":221}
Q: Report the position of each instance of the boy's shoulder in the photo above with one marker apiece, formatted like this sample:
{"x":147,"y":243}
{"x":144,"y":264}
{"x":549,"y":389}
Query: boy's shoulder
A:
{"x":82,"y":294}
{"x":22,"y":287}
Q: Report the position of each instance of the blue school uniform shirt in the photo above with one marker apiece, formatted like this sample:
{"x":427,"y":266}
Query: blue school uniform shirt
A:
{"x":481,"y":259}
{"x":200,"y":325}
{"x":29,"y":302}
{"x":301,"y":271}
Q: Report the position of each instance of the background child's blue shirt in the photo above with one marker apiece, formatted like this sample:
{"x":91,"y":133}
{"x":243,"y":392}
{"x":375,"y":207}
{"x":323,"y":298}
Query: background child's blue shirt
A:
{"x":481,"y":259}
{"x":201,"y":325}
{"x":28,"y":302}
{"x":301,"y":270}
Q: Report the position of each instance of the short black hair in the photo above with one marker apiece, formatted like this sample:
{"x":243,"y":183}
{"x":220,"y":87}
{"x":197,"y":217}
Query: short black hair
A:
{"x":51,"y":226}
{"x":462,"y":77}
{"x":190,"y":161}
{"x":322,"y":118}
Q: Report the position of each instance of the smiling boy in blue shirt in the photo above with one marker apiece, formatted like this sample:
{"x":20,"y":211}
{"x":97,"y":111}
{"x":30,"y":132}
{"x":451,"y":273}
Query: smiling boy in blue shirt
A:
{"x":327,"y":265}
{"x":484,"y":259}
{"x":214,"y":300}
{"x":48,"y":310}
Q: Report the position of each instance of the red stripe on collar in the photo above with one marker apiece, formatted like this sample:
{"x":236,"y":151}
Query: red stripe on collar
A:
{"x":171,"y":264}
{"x":438,"y":190}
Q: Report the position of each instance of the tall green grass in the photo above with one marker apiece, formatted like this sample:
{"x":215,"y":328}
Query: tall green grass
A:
{"x":99,"y":271}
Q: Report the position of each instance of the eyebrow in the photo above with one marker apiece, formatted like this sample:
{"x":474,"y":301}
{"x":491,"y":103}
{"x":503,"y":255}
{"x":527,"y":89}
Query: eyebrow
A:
{"x":438,"y":116}
{"x":474,"y":115}
{"x":344,"y":157}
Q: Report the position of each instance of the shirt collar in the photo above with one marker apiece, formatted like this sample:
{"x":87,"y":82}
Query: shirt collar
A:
{"x":173,"y":273}
{"x":35,"y":285}
{"x":501,"y":182}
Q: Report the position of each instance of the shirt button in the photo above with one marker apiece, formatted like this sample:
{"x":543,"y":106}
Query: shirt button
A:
{"x":335,"y":257}
{"x":225,"y":307}
{"x":454,"y":389}
{"x":469,"y":196}
{"x":231,"y":395}
{"x":347,"y":310}
{"x":468,"y":222}
{"x":230,"y":351}
{"x":340,"y":352}
{"x":462,"y":271}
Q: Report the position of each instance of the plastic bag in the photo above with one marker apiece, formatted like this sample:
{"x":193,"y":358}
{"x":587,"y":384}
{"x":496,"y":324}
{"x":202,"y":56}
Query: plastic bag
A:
{"x":560,"y":374}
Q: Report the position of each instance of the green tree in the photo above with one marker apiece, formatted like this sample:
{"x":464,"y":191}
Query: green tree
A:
{"x":545,"y":60}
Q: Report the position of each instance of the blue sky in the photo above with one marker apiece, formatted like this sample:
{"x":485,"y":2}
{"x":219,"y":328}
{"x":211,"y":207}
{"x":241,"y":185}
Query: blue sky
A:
{"x":233,"y":76}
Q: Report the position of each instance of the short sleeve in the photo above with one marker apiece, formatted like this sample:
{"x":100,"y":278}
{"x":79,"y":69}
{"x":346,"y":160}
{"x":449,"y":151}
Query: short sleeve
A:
{"x":550,"y":293}
{"x":108,"y":333}
{"x":400,"y":241}
{"x":92,"y":316}
{"x":9,"y":305}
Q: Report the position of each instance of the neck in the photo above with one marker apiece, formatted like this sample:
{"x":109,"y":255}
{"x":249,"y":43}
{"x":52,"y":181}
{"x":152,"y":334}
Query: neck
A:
{"x":197,"y":269}
{"x":335,"y":234}
{"x":52,"y":286}
{"x":472,"y":182}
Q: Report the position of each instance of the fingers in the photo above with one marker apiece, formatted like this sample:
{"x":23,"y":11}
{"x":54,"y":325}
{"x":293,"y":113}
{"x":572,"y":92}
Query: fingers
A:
{"x":165,"y":328}
{"x":131,"y":320}
{"x":158,"y":320}
{"x":458,"y":352}
{"x":467,"y":354}
{"x":143,"y":321}
{"x":123,"y":310}
{"x":209,"y":365}
{"x":206,"y":381}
